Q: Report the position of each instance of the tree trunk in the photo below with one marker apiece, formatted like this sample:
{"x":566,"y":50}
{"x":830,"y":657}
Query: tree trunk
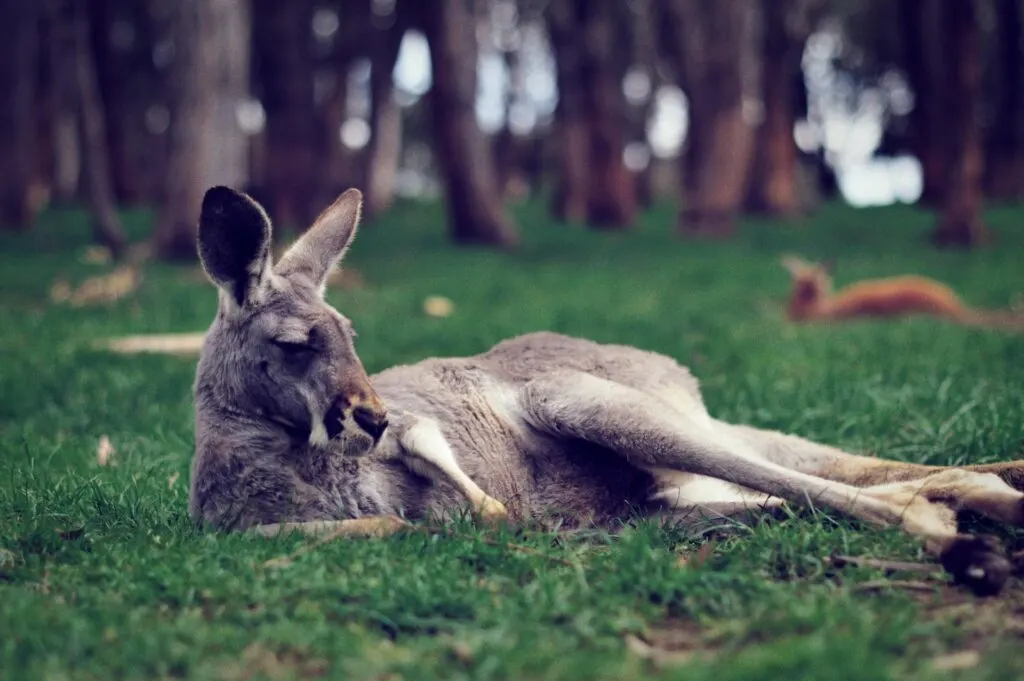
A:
{"x":19,"y":58}
{"x":285,"y":72}
{"x":916,"y":17}
{"x":62,"y":162}
{"x":119,"y":108}
{"x":475,"y":213}
{"x":209,"y":71}
{"x":773,"y":179}
{"x":385,"y":148}
{"x":227,"y":146}
{"x":570,"y":201}
{"x":611,"y":189}
{"x":1004,"y":168}
{"x":644,"y":55}
{"x":960,"y":222}
{"x":720,"y":71}
{"x":93,"y":134}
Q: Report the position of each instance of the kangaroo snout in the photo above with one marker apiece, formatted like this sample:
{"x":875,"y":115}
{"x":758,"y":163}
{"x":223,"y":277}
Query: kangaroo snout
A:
{"x":369,"y":415}
{"x":373,"y":420}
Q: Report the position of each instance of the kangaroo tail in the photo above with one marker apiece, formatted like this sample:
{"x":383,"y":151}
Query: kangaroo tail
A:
{"x":1007,"y":320}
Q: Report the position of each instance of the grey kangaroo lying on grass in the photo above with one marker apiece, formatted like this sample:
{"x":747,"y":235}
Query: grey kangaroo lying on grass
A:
{"x":291,"y":434}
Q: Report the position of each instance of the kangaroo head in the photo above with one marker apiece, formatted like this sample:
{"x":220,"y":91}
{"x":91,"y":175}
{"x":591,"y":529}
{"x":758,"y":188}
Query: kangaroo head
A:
{"x":812,"y":283}
{"x":277,"y":352}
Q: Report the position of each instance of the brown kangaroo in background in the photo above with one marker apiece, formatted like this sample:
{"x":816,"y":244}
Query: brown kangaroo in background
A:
{"x":292,"y":434}
{"x":812,"y":299}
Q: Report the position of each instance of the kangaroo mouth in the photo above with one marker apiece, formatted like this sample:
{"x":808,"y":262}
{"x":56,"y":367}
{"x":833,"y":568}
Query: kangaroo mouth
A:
{"x":334,"y":420}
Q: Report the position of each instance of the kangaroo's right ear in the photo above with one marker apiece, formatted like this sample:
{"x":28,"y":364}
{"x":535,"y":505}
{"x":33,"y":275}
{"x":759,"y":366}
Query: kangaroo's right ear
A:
{"x":234,"y":245}
{"x":796,"y":266}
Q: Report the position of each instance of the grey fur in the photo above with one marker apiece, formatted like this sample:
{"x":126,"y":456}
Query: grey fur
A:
{"x":548,"y":425}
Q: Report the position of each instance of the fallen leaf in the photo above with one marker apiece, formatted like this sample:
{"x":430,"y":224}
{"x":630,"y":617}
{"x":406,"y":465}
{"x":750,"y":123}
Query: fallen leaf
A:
{"x":106,"y":288}
{"x":104,"y":451}
{"x":172,"y":479}
{"x":438,"y":306}
{"x":963,"y":659}
{"x":60,"y":292}
{"x":96,"y":255}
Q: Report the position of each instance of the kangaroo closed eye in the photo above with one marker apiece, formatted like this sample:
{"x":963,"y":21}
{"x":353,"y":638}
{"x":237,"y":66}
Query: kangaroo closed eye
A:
{"x":292,"y":346}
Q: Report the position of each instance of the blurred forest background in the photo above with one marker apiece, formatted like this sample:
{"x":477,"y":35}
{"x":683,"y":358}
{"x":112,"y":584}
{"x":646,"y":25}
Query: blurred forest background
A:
{"x":728,"y":107}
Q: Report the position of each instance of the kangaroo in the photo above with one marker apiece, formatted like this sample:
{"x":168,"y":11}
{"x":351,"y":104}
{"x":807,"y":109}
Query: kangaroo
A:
{"x":812,"y":299}
{"x":293,"y":435}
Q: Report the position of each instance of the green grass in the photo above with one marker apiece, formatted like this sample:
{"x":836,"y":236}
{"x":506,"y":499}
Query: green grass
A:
{"x":102,"y":574}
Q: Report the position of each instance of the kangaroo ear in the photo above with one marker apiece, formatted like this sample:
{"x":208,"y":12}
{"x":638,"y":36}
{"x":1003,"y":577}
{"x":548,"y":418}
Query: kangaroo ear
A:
{"x":234,"y":245}
{"x":796,"y":266}
{"x":324,"y":244}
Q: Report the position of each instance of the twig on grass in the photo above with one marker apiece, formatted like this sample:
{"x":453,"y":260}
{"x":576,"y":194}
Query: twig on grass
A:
{"x":883,"y":584}
{"x":881,"y":564}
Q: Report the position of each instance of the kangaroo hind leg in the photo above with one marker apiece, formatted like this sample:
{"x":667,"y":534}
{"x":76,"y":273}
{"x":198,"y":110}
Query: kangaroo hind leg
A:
{"x":653,"y":436}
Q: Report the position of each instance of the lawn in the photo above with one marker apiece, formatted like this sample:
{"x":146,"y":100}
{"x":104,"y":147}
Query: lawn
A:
{"x":103,"y":575}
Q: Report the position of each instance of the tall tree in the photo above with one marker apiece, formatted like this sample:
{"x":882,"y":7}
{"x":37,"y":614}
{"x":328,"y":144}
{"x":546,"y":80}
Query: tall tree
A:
{"x":644,"y":56}
{"x":285,"y":66}
{"x":19,"y":58}
{"x":611,"y":189}
{"x":475,"y":212}
{"x":711,"y":45}
{"x":773,"y":178}
{"x":921,"y":63}
{"x":1004,"y":159}
{"x":208,"y":77}
{"x":960,"y":222}
{"x":570,"y":200}
{"x":77,"y":59}
{"x":592,"y":53}
{"x":385,"y":146}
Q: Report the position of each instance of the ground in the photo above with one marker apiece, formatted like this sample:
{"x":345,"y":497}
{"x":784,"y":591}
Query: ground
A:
{"x":103,"y":575}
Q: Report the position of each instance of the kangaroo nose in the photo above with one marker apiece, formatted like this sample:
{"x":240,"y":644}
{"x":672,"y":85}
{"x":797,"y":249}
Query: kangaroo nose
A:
{"x":373,"y":422}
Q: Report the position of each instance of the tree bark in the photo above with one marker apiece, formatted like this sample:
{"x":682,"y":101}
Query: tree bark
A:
{"x":385,"y":147}
{"x":475,"y":213}
{"x":644,"y":55}
{"x":773,"y":179}
{"x":960,"y":222}
{"x":611,"y":189}
{"x":285,"y":75}
{"x":719,"y":72}
{"x":19,"y":58}
{"x":60,"y":148}
{"x":573,"y":149}
{"x":92,"y":125}
{"x":1004,"y":168}
{"x":922,"y":71}
{"x":209,"y":71}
